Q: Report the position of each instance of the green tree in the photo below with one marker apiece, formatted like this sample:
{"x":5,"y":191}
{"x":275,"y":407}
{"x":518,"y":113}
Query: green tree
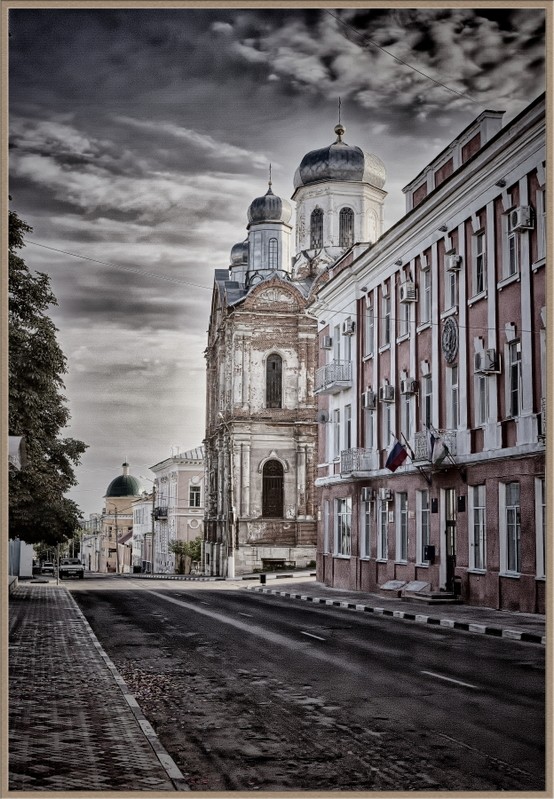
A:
{"x":187,"y":552}
{"x":39,"y":512}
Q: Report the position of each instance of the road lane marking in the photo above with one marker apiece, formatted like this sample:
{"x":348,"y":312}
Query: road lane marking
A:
{"x":312,"y":636}
{"x":449,"y":679}
{"x":248,"y":615}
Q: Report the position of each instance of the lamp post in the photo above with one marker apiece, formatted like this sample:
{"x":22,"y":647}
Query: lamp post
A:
{"x":230,"y":510}
{"x":116,"y":538}
{"x":153,"y":518}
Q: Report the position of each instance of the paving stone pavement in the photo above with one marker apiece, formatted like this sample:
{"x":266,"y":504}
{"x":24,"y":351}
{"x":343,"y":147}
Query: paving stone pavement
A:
{"x":70,"y":726}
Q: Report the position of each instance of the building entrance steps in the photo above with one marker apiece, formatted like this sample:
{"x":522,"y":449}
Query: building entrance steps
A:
{"x":525,"y":627}
{"x":72,"y":723}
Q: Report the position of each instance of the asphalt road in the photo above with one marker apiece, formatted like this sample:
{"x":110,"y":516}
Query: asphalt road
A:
{"x":249,"y":691}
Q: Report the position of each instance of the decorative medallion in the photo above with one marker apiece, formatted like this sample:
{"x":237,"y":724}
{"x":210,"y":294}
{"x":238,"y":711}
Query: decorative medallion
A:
{"x":450,"y":340}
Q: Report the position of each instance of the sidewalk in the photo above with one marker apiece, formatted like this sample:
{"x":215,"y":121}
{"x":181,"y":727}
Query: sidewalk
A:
{"x":72,"y":724}
{"x":526,"y":627}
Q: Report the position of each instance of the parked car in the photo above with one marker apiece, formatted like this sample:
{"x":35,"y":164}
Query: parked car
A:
{"x":71,"y":567}
{"x":48,"y":567}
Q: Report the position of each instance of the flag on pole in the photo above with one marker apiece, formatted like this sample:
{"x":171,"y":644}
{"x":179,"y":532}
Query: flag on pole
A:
{"x":437,"y":450}
{"x":397,"y":455}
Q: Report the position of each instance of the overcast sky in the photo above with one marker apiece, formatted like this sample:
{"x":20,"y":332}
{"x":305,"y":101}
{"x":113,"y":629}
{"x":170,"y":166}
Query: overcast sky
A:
{"x":140,"y":137}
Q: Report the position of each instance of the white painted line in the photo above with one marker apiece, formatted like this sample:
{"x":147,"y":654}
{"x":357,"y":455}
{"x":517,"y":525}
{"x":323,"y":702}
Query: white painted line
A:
{"x":249,"y":615}
{"x":449,"y":679}
{"x":421,"y":618}
{"x":447,"y":623}
{"x":398,"y":614}
{"x":515,"y":636}
{"x":360,"y":607}
{"x":312,"y":636}
{"x":344,"y":604}
{"x":328,"y":601}
{"x":204,"y":603}
{"x":477,"y":628}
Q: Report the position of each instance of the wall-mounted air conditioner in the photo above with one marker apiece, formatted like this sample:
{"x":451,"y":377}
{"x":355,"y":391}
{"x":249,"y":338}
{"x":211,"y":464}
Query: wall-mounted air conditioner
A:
{"x":348,"y":327}
{"x":408,"y":292}
{"x":327,"y":343}
{"x":368,"y":400}
{"x":385,"y":494}
{"x":322,"y":417}
{"x":408,"y":386}
{"x":386,"y":393}
{"x":453,"y":263}
{"x":486,"y":362}
{"x":521,"y":218}
{"x":367,"y":494}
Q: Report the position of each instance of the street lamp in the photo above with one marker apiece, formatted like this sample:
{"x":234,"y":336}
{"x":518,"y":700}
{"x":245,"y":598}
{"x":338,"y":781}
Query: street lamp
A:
{"x":153,"y":517}
{"x":230,"y":515}
{"x":116,"y":541}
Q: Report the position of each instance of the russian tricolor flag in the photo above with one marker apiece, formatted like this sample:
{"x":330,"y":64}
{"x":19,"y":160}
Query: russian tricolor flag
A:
{"x":396,"y":456}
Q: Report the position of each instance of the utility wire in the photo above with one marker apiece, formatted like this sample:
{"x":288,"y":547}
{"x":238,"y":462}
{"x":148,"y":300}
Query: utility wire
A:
{"x":365,"y":41}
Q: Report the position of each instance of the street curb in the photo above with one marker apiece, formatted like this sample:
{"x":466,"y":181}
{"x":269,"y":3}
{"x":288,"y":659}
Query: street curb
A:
{"x":166,"y":761}
{"x":170,"y":577}
{"x":420,"y":618}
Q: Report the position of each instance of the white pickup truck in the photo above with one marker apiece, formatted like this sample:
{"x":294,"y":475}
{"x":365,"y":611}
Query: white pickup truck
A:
{"x":71,"y":567}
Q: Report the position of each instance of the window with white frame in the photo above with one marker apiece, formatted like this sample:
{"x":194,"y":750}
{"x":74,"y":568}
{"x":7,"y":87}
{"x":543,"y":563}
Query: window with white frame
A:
{"x":347,"y":426}
{"x":423,"y":524}
{"x":316,"y":228}
{"x":404,"y":319}
{"x":401,"y":526}
{"x":479,"y":262}
{"x":452,"y":398}
{"x":347,"y":347}
{"x":337,"y":343}
{"x":450,"y":290}
{"x":336,"y":433}
{"x":478,"y":530}
{"x":194,"y":496}
{"x":326,"y":523}
{"x":406,"y":416}
{"x":369,"y":329}
{"x":343,"y":525}
{"x":272,"y":253}
{"x":482,"y":399}
{"x":511,"y":248}
{"x":540,"y":526}
{"x":369,"y":419}
{"x":510,"y":528}
{"x":425,"y":304}
{"x":385,"y":321}
{"x":383,"y":537}
{"x":426,"y":401}
{"x":514,"y":378}
{"x":366,"y":509}
{"x":541,"y":224}
{"x":387,"y":409}
{"x":346,"y":227}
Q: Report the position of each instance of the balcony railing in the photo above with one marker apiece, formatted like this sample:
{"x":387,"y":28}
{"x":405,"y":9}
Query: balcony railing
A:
{"x":358,"y":460}
{"x":160,"y":512}
{"x":333,"y":377}
{"x":542,"y":420}
{"x":420,"y":444}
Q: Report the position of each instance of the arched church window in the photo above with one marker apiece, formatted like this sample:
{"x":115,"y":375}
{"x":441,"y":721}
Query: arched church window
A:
{"x":272,"y":490}
{"x":272,"y":254}
{"x":274,"y":381}
{"x":316,"y":228}
{"x":346,"y":227}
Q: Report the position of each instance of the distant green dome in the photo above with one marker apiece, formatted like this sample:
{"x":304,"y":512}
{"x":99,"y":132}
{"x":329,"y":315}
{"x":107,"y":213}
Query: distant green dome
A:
{"x":125,"y":485}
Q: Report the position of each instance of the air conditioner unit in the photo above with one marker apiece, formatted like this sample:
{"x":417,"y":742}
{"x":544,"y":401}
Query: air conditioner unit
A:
{"x":521,"y":218}
{"x":367,"y":494}
{"x":327,"y":343}
{"x":408,"y":292}
{"x":322,"y":417}
{"x":453,"y":263}
{"x":368,"y":400}
{"x":348,"y":327}
{"x":408,"y":386}
{"x":385,"y":494}
{"x":386,"y":393}
{"x":486,"y":362}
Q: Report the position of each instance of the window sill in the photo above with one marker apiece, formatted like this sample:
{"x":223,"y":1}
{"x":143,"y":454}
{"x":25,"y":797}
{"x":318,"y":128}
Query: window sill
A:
{"x":367,"y":357}
{"x":537,"y":264}
{"x":381,"y":560}
{"x":404,"y":337}
{"x":540,"y":579}
{"x":449,"y":312}
{"x":507,"y":280}
{"x":476,"y":297}
{"x":476,"y":571}
{"x":511,"y":575}
{"x":423,"y":326}
{"x":341,"y":557}
{"x":400,"y":562}
{"x":384,"y":348}
{"x":423,"y":565}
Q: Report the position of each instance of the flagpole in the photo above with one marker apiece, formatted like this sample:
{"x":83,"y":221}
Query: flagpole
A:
{"x":426,"y":477}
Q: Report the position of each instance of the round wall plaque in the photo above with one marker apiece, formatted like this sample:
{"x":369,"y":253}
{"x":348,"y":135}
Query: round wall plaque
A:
{"x":450,"y":340}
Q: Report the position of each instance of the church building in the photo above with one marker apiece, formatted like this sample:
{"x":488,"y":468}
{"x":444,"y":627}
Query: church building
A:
{"x":261,"y":425}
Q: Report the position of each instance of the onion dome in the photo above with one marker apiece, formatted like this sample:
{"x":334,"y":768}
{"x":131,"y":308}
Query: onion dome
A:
{"x":125,"y":485}
{"x":269,"y":208}
{"x":340,"y":161}
{"x":239,"y":253}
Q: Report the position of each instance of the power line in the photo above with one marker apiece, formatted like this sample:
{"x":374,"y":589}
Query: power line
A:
{"x":366,"y":40}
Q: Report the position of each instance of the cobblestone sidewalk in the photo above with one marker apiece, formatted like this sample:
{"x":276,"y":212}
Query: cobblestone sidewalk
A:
{"x":70,"y":726}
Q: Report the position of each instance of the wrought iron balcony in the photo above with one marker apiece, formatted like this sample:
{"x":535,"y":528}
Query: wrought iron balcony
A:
{"x":333,"y":377}
{"x":358,"y":460}
{"x":420,"y":444}
{"x":160,"y":512}
{"x":542,"y":420}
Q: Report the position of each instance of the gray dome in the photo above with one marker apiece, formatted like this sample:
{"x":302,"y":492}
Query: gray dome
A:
{"x":239,"y":253}
{"x":269,"y":208}
{"x":340,"y":161}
